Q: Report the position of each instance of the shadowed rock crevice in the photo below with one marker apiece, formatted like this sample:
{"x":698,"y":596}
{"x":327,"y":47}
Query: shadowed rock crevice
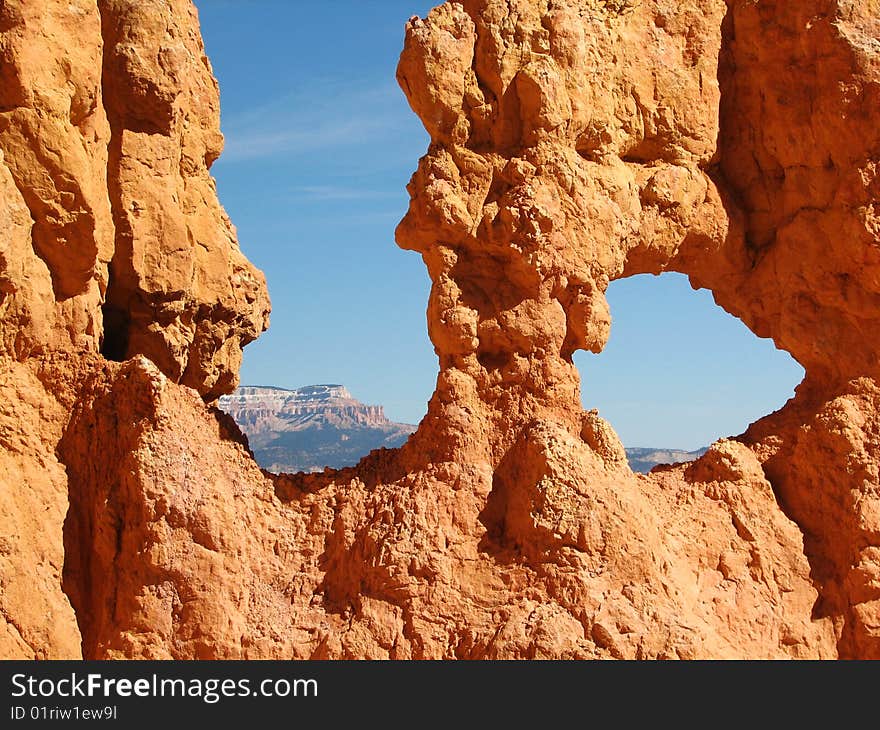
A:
{"x":179,"y":292}
{"x":114,"y":345}
{"x":115,"y":309}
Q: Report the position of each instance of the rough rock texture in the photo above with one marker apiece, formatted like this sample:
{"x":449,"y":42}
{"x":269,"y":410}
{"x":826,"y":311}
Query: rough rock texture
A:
{"x":113,"y":241}
{"x":36,"y":619}
{"x":573,"y":142}
{"x":109,"y":119}
{"x":557,"y":562}
{"x":180,"y":291}
{"x":736,"y":142}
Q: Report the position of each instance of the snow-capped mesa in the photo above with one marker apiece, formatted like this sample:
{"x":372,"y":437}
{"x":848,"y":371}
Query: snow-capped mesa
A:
{"x":308,"y":428}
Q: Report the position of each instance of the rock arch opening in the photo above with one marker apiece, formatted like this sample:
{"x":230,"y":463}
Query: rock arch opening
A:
{"x":679,"y":372}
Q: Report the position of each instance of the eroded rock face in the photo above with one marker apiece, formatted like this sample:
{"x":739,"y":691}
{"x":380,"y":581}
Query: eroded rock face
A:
{"x":736,"y":142}
{"x":180,"y":291}
{"x":36,"y":619}
{"x":109,"y":120}
{"x":573,"y":142}
{"x":553,"y":170}
{"x":113,"y":242}
{"x":178,"y":546}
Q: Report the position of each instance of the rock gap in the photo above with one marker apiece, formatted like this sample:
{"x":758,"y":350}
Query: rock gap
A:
{"x":678,"y":372}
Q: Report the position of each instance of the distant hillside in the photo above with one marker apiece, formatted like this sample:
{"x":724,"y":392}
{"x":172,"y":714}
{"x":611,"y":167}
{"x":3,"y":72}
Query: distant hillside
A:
{"x":312,"y":427}
{"x":309,"y":428}
{"x":643,"y":460}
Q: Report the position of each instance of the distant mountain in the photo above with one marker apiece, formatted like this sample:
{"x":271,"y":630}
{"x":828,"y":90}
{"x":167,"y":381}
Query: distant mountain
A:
{"x":309,"y":428}
{"x":643,"y":460}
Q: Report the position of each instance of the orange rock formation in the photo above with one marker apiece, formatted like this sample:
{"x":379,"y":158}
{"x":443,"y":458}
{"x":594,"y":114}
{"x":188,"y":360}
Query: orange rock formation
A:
{"x":573,"y":142}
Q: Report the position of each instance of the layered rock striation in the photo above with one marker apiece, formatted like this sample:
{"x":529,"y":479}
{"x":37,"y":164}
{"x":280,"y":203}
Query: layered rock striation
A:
{"x":310,"y":428}
{"x":263,"y":409}
{"x":573,"y":142}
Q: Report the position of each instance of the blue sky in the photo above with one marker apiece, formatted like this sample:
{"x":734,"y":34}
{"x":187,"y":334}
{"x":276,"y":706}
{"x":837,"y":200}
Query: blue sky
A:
{"x":320,"y":144}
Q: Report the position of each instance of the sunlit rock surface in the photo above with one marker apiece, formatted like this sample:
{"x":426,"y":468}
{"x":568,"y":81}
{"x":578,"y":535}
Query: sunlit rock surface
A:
{"x":573,"y":142}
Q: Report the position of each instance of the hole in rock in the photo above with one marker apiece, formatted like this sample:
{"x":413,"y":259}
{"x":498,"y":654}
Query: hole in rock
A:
{"x":116,"y":326}
{"x":679,"y":372}
{"x":320,"y":144}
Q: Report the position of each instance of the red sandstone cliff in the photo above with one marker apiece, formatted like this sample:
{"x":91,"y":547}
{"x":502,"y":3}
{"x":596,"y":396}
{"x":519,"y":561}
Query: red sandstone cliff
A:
{"x":573,"y":142}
